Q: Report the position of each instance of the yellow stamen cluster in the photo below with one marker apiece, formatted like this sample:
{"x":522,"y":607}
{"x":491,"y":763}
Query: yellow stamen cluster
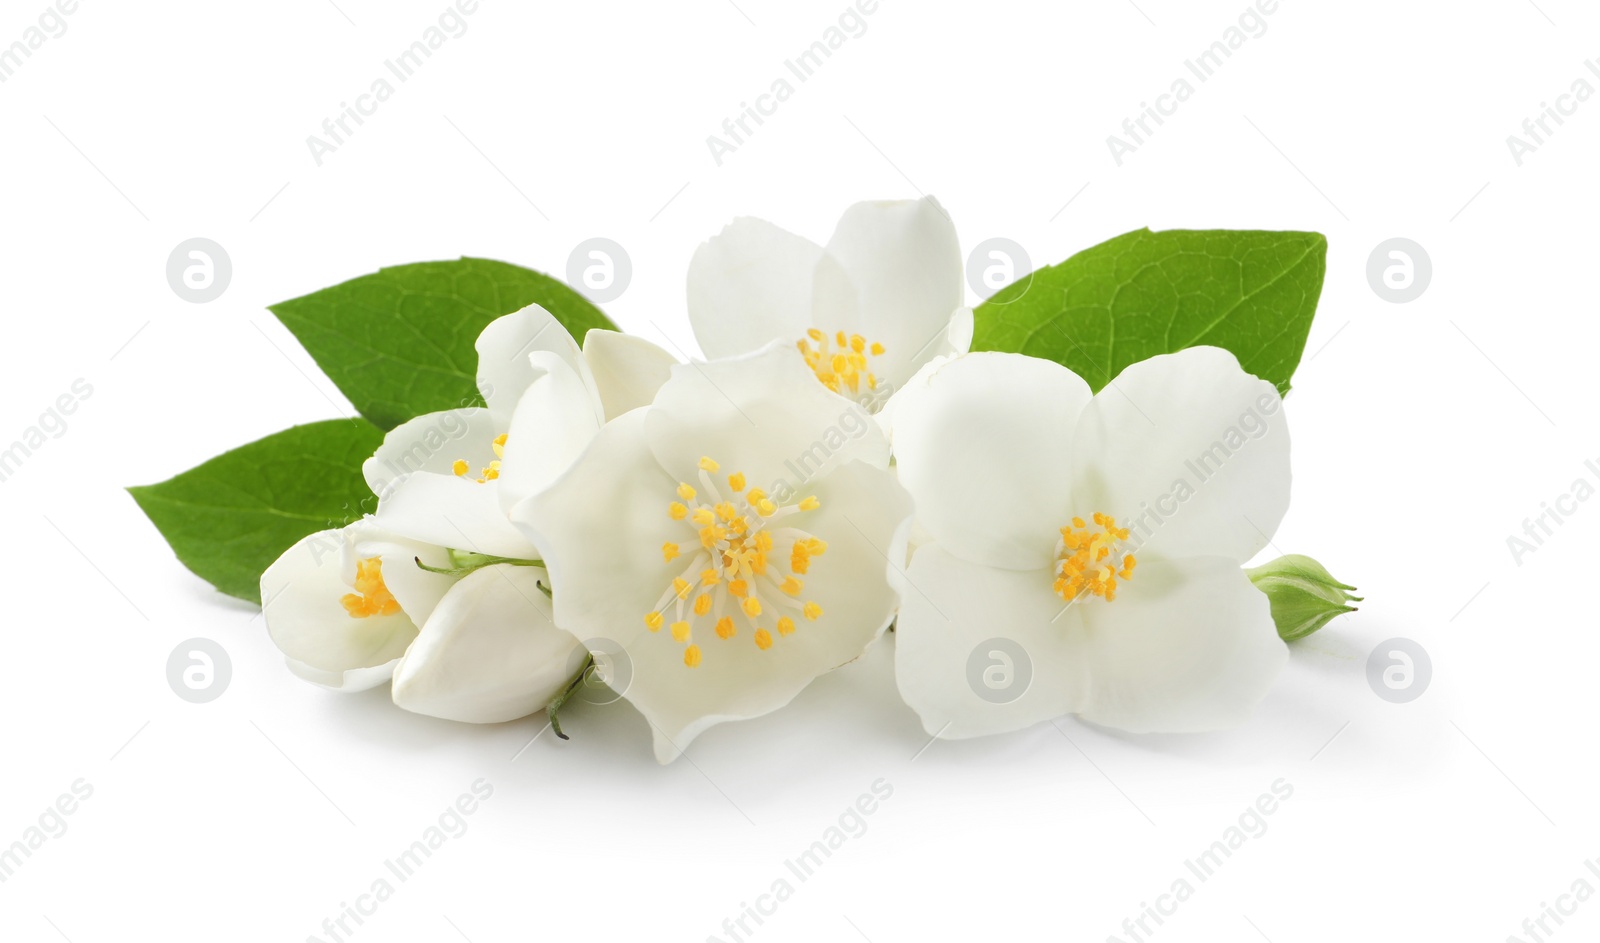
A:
{"x":842,"y":366}
{"x":489,"y":472}
{"x":372,"y":597}
{"x":739,"y":559}
{"x":1091,"y":561}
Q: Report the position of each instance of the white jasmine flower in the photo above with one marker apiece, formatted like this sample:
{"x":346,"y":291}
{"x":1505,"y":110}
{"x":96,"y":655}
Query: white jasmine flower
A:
{"x":1098,"y":538}
{"x":881,"y":299}
{"x":732,"y":538}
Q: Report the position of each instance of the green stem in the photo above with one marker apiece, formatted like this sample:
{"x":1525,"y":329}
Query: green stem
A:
{"x":560,"y":700}
{"x":463,"y":562}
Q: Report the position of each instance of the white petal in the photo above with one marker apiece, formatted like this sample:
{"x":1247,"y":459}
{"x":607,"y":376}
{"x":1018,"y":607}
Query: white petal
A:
{"x":489,"y":653}
{"x":323,"y":643}
{"x":984,"y":444}
{"x":602,"y":525}
{"x":749,"y":285}
{"x":432,"y":442}
{"x":981,"y":650}
{"x":504,"y":370}
{"x":959,"y":337}
{"x":628,"y":370}
{"x":460,"y":513}
{"x":553,"y":424}
{"x":903,"y":261}
{"x":1188,"y":452}
{"x":763,"y":414}
{"x":1185,"y":646}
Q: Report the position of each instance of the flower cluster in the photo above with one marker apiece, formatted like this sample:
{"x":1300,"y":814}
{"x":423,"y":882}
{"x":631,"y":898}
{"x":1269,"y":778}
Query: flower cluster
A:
{"x":839,"y":463}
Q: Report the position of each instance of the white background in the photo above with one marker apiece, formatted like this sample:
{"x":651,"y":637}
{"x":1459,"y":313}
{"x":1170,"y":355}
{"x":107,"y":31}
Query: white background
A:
{"x":1424,"y":434}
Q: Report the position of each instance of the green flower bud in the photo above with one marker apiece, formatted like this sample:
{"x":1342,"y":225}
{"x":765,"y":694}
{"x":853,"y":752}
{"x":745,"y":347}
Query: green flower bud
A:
{"x":1304,"y":595}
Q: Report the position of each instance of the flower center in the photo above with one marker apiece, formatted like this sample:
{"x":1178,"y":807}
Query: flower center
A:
{"x":371,"y":597}
{"x":489,"y":472}
{"x":1091,"y":561}
{"x":841,"y":365}
{"x":740,"y":558}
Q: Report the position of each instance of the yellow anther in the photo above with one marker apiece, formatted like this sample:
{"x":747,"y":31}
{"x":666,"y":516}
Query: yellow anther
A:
{"x":372,"y":597}
{"x":708,"y":464}
{"x":460,"y":467}
{"x":1091,"y":562}
{"x":738,"y":555}
{"x":499,"y":445}
{"x":491,"y":473}
{"x":840,"y":362}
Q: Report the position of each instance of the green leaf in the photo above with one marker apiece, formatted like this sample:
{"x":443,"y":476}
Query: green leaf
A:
{"x":1148,"y":293}
{"x":229,"y":518}
{"x":399,"y":343}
